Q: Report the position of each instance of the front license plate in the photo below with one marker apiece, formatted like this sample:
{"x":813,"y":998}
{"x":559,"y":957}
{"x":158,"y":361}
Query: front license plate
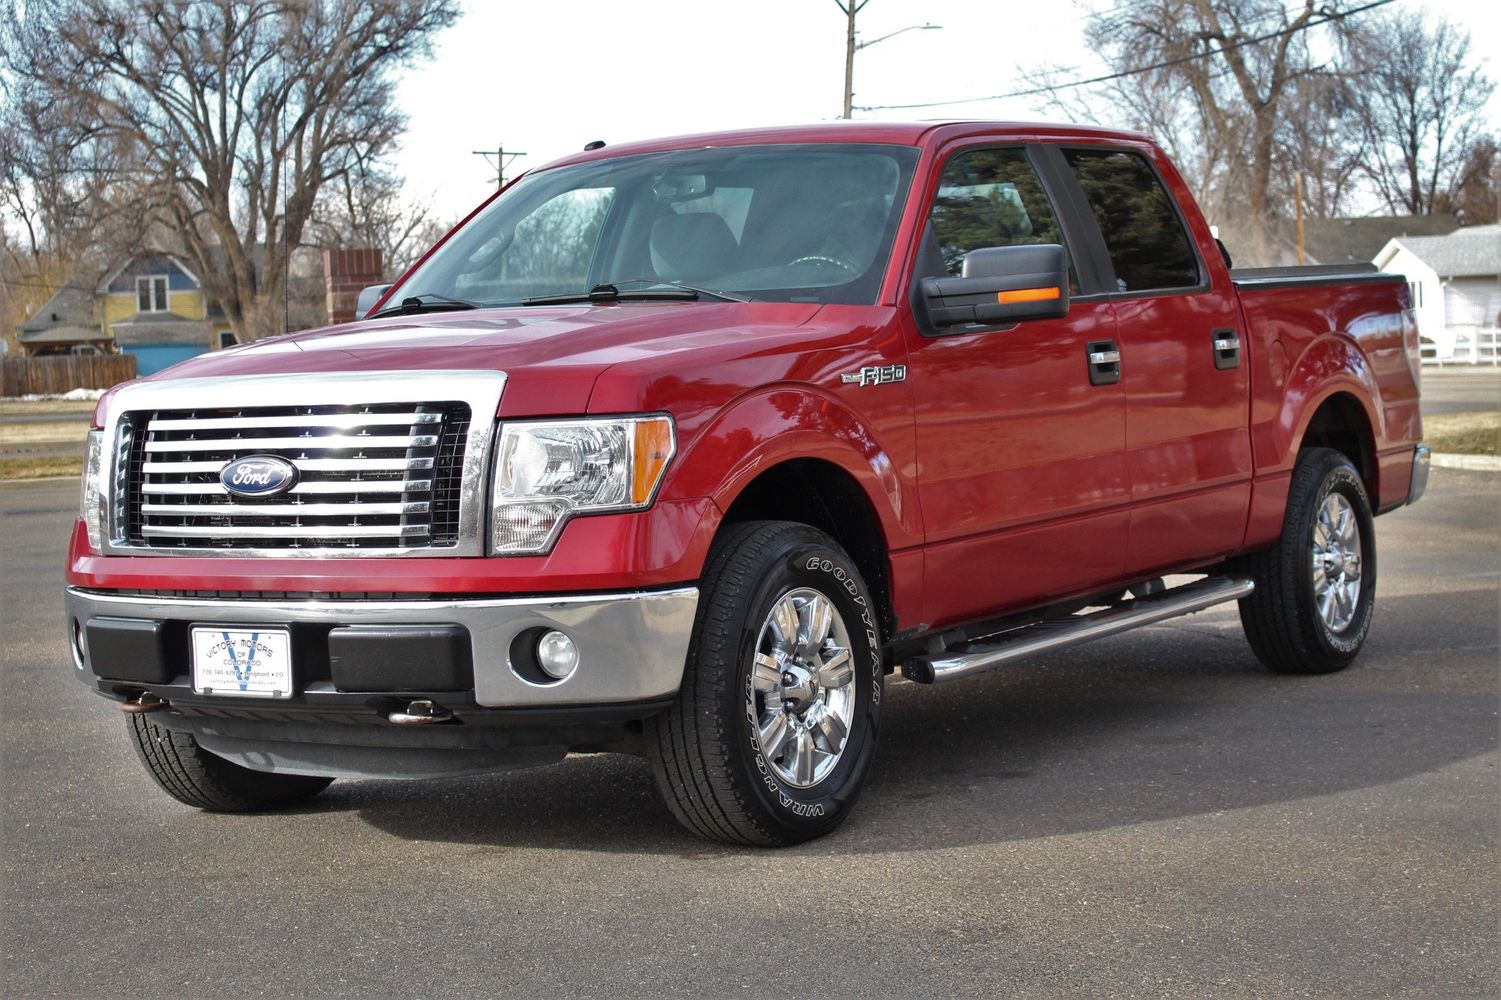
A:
{"x":247,"y":663}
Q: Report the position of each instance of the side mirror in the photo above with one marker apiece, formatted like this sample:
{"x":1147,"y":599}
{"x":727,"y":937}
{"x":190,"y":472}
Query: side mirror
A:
{"x":1001,"y":285}
{"x":368,"y":297}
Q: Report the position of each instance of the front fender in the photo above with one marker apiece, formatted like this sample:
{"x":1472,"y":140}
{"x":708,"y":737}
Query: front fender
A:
{"x":781,"y":423}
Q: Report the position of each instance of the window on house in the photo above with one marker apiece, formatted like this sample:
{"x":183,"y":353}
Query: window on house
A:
{"x":151,"y":294}
{"x":226,"y":339}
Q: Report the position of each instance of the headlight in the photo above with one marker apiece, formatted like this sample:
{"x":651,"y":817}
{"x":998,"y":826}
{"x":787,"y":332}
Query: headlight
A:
{"x":546,"y":472}
{"x":91,"y":504}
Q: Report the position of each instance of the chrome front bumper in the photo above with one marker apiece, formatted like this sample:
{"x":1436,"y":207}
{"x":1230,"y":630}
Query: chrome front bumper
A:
{"x":632,"y":646}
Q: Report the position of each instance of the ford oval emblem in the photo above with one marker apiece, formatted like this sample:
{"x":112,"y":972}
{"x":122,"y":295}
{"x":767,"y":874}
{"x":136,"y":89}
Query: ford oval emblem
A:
{"x":258,"y":476}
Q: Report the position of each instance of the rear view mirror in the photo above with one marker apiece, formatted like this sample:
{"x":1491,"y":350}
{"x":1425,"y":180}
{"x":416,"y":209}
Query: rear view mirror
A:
{"x":1001,"y":285}
{"x":682,"y":187}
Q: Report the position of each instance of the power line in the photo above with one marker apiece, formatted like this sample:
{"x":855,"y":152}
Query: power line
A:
{"x":1035,"y":91}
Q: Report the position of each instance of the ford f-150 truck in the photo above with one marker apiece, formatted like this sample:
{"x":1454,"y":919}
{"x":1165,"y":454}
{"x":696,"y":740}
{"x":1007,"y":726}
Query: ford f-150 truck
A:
{"x":684,"y":447}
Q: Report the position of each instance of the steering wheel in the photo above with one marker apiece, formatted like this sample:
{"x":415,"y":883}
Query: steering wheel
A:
{"x":818,"y":258}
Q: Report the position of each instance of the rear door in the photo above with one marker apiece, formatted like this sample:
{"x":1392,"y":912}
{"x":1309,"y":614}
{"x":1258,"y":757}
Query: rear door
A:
{"x":1022,"y":470}
{"x":1188,"y":450}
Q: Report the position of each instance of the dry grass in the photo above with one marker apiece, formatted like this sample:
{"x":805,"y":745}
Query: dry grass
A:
{"x":40,"y":468}
{"x":52,"y":431}
{"x":21,"y":407}
{"x":1464,"y":433}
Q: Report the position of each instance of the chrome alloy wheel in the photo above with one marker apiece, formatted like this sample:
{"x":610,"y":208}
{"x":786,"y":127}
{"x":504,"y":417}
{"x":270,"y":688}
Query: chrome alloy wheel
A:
{"x":802,"y":689}
{"x":1336,"y":562}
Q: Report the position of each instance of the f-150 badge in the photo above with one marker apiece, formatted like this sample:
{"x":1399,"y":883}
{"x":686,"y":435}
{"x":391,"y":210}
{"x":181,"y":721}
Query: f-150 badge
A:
{"x":876,"y":375}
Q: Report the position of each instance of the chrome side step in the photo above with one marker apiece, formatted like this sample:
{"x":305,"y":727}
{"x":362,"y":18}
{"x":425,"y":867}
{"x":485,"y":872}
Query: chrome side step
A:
{"x":1046,"y":636}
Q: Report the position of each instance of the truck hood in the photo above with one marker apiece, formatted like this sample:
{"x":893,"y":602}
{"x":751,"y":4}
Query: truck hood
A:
{"x":551,"y":354}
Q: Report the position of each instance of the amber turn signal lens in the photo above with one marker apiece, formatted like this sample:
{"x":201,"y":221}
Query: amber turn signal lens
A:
{"x":1026,"y":295}
{"x":653,"y":450}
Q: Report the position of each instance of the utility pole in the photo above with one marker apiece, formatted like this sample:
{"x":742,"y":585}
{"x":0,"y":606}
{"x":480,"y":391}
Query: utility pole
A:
{"x":1300,"y":218}
{"x":503,"y":159}
{"x":851,"y":8}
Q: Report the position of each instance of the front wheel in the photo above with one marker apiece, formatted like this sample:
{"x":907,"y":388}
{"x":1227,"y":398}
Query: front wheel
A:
{"x":1316,"y":586}
{"x":773,"y":730}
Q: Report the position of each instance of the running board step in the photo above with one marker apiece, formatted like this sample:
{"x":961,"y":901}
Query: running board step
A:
{"x":1060,"y":633}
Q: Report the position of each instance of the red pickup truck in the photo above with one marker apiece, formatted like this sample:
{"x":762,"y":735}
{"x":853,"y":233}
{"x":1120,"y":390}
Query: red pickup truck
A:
{"x":683,"y":447}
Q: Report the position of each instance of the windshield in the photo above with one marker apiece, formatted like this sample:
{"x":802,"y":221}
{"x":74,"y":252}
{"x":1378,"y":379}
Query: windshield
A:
{"x":786,"y":223}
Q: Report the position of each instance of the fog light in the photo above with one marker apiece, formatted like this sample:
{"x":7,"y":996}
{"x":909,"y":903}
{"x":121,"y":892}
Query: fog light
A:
{"x":557,"y":655}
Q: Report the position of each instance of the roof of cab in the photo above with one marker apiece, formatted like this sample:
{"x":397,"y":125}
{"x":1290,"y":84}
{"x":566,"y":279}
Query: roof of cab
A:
{"x":900,"y":133}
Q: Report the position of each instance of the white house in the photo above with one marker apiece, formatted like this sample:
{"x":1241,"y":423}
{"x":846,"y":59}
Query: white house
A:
{"x":1456,"y":288}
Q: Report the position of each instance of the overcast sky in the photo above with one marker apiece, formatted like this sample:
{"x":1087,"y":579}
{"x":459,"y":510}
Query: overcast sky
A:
{"x":548,"y":77}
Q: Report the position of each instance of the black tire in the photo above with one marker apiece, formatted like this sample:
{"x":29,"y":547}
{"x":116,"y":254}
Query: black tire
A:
{"x":704,"y":750}
{"x":1281,"y":617}
{"x":192,"y":775}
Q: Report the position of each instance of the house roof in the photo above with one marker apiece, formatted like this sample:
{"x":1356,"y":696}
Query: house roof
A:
{"x":161,"y":328}
{"x":1466,"y":253}
{"x":65,"y":335}
{"x":70,"y":305}
{"x":109,"y":277}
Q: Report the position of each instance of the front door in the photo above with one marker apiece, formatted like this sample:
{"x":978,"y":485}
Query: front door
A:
{"x":1021,"y":473}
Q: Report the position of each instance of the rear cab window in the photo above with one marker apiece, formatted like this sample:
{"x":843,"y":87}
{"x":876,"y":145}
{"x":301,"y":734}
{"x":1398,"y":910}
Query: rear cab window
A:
{"x":1144,"y":235}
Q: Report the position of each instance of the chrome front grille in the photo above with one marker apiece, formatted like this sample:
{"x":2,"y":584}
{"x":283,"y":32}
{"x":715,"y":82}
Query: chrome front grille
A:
{"x":377,"y":473}
{"x":369,"y":476}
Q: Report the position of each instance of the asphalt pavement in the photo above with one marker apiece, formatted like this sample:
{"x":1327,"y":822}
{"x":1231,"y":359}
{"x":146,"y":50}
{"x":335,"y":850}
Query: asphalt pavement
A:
{"x":1461,"y":389}
{"x":1147,"y":816}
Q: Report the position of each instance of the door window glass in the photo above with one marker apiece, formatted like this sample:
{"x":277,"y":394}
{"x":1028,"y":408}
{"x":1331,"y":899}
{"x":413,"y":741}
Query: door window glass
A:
{"x":988,"y":198}
{"x":1143,"y":234}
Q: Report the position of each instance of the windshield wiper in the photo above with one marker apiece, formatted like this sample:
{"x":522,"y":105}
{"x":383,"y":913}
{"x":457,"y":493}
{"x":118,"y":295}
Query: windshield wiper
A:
{"x":611,"y":292}
{"x":710,"y":292}
{"x":426,"y":302}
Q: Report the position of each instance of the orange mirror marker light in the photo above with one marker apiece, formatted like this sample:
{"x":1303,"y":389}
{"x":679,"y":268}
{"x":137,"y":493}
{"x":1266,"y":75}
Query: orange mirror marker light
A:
{"x":1026,"y":295}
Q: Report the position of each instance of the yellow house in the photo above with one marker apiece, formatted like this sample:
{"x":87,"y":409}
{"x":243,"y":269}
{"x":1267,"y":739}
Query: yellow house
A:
{"x":155,"y":308}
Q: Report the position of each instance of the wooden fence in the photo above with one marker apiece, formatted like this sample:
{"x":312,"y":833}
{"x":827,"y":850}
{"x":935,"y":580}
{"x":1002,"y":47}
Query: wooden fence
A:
{"x":24,"y":376}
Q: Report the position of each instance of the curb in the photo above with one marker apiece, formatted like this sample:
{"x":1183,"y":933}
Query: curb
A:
{"x":1474,"y":463}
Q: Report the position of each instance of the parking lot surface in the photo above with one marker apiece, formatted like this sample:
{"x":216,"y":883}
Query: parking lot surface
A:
{"x":1149,"y":816}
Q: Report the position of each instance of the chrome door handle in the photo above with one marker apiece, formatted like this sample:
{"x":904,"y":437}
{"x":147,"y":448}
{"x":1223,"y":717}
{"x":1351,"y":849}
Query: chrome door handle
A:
{"x":1226,"y":353}
{"x":1104,"y":362}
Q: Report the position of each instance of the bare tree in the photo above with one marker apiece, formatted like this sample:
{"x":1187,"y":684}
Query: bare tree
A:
{"x":1225,"y":78}
{"x":1422,"y":105}
{"x":366,"y":207}
{"x":241,"y":111}
{"x":1477,"y":199}
{"x":1320,"y":140}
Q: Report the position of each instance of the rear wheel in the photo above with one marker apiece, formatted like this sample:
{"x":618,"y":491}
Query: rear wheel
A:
{"x":191,"y":774}
{"x":774,"y":727}
{"x":1316,"y":586}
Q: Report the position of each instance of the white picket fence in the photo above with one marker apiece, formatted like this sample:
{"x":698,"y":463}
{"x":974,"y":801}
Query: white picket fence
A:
{"x":1483,"y":347}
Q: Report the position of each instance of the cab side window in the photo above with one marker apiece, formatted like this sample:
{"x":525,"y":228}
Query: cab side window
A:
{"x":1143,"y":235}
{"x":986,"y":198}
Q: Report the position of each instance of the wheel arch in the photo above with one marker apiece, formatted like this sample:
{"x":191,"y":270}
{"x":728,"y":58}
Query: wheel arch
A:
{"x":1340,"y":422}
{"x":823,"y":495}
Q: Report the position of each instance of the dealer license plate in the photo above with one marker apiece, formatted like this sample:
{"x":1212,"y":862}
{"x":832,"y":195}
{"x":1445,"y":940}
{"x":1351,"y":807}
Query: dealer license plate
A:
{"x":246,"y":663}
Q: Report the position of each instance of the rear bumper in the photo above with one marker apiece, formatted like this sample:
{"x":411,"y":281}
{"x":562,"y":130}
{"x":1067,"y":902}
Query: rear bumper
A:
{"x":631,"y":646}
{"x":1421,"y":457}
